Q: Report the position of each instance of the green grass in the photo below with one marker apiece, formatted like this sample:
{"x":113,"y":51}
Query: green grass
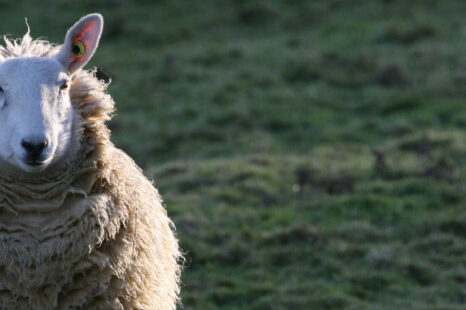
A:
{"x":311,"y":153}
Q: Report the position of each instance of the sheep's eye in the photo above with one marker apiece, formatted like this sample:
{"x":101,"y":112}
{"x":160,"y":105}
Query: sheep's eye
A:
{"x":64,"y":86}
{"x":78,"y":49}
{"x":1,"y":89}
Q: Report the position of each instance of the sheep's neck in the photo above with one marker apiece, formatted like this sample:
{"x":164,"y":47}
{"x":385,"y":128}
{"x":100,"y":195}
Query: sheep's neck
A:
{"x":47,"y":192}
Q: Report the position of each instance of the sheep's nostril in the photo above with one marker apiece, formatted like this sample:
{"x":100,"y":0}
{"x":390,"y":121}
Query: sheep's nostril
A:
{"x":34,"y":149}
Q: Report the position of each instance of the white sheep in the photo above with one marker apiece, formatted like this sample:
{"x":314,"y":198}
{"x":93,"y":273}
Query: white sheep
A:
{"x":80,"y":226}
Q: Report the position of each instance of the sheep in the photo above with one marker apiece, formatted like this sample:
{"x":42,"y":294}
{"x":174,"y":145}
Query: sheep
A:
{"x":80,"y":225}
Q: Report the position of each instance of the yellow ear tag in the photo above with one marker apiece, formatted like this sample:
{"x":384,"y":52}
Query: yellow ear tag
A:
{"x":78,"y":49}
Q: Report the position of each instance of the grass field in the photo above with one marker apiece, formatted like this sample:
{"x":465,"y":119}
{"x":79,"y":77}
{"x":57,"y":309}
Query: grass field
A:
{"x":311,"y":153}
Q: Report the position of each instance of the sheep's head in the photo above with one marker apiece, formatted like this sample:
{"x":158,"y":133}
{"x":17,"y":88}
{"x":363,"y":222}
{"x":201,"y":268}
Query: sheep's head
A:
{"x":36,"y":116}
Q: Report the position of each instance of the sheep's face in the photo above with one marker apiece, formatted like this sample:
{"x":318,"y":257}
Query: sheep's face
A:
{"x":36,"y":116}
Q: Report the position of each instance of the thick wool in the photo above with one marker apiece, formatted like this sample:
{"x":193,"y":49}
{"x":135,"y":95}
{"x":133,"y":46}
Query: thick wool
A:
{"x":90,"y":233}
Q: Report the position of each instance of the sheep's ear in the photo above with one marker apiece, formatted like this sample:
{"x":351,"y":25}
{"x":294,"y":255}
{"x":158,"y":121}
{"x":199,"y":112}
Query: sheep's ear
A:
{"x":81,"y":42}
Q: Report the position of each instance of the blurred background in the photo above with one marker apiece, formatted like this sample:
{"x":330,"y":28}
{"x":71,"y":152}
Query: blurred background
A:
{"x":311,"y":153}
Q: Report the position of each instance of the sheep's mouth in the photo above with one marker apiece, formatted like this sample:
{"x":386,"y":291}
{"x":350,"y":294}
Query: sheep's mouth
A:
{"x":34,"y":166}
{"x":35,"y":163}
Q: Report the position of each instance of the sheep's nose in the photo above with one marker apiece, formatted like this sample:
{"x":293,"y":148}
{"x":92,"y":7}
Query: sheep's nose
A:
{"x":34,"y":148}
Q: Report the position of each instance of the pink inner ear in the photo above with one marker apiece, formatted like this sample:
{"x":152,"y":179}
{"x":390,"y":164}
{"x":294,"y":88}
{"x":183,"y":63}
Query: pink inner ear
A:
{"x":87,"y":36}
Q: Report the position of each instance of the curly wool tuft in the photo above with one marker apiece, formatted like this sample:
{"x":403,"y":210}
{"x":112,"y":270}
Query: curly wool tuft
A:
{"x":92,"y":233}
